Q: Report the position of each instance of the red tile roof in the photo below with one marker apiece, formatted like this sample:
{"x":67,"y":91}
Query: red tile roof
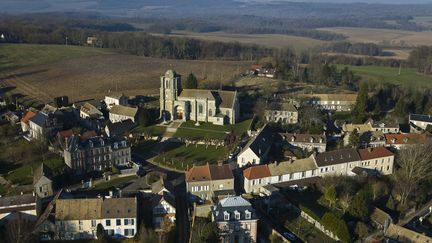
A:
{"x":373,"y":153}
{"x":409,"y":138}
{"x":28,"y":116}
{"x":256,"y":172}
{"x":209,"y":172}
{"x":88,"y":134}
{"x":65,"y":134}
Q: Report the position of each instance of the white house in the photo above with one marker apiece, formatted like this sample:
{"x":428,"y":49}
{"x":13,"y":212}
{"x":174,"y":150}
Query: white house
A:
{"x":284,"y":113}
{"x":257,"y":149}
{"x":78,"y":218}
{"x":164,"y":208}
{"x":309,"y":142}
{"x":24,"y":203}
{"x":116,"y":99}
{"x":420,"y":121}
{"x":120,"y":113}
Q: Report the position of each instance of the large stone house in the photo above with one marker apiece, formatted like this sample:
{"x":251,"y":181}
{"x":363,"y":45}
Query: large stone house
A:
{"x":42,"y":125}
{"x":236,"y":220}
{"x":420,"y":122}
{"x":214,"y":106}
{"x":207,"y":181}
{"x":332,"y":102}
{"x":96,"y":153}
{"x":120,"y":113}
{"x":284,"y":113}
{"x":77,"y":219}
{"x":399,"y":141}
{"x":257,"y":149}
{"x":345,"y":162}
{"x":309,"y":142}
{"x":116,"y":99}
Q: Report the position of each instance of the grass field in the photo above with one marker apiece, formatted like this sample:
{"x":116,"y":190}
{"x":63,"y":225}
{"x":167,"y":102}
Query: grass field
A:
{"x":46,"y":71}
{"x":208,"y":130}
{"x":180,"y":157}
{"x":408,"y":77}
{"x":384,"y":36}
{"x":267,"y":40}
{"x":113,"y":183}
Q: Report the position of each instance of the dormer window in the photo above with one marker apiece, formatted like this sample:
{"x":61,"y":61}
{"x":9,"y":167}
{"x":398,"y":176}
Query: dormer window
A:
{"x":237,"y":215}
{"x":124,"y":143}
{"x":248,"y":214}
{"x":102,"y":142}
{"x":116,"y":145}
{"x":226,"y":215}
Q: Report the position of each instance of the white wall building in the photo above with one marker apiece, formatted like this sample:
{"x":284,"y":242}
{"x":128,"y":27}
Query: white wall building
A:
{"x":116,"y":99}
{"x":257,"y":149}
{"x":120,"y":113}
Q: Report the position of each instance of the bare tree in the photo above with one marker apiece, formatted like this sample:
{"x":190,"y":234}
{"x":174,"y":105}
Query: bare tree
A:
{"x":415,"y":162}
{"x":18,"y":229}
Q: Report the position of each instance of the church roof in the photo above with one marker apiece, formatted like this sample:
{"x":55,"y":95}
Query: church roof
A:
{"x":226,"y":98}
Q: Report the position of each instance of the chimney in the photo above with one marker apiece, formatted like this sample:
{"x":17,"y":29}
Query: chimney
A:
{"x":369,"y":149}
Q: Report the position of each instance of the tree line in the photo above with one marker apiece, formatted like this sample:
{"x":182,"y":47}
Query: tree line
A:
{"x":368,"y":49}
{"x":421,"y":59}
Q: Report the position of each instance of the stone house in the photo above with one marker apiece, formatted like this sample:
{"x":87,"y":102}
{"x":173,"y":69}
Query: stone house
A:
{"x":332,"y":102}
{"x":77,"y":219}
{"x":42,"y":182}
{"x":42,"y":125}
{"x":163,"y":208}
{"x":236,"y":220}
{"x":116,"y":99}
{"x":309,"y":142}
{"x":120,"y":113}
{"x":420,"y":122}
{"x":207,"y":180}
{"x":399,"y":141}
{"x":284,"y":113}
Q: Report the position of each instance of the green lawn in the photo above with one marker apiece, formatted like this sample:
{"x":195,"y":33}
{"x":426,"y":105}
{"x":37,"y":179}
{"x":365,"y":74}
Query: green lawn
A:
{"x":113,"y":183}
{"x":144,"y":147}
{"x":178,"y":156}
{"x":21,"y":176}
{"x":408,"y":77}
{"x":208,"y":130}
{"x":19,"y":55}
{"x":56,"y":165}
{"x":305,"y":230}
{"x":154,"y":130}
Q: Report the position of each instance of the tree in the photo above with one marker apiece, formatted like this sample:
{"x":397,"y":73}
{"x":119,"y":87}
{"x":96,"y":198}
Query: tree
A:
{"x":354,"y":139}
{"x":359,"y":207}
{"x":144,"y":117}
{"x":359,"y":111}
{"x":336,"y":225}
{"x":100,"y":234}
{"x":415,"y":162}
{"x":191,"y":82}
{"x":361,"y":230}
{"x":379,"y":190}
{"x":204,"y":231}
{"x":147,"y":235}
{"x":400,"y":108}
{"x":275,"y":239}
{"x":330,"y":195}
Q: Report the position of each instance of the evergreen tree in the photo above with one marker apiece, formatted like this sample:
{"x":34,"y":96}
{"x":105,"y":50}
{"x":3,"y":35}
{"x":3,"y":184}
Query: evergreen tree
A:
{"x":354,"y":139}
{"x":359,"y":111}
{"x":400,"y":109}
{"x":359,"y":207}
{"x":191,"y":82}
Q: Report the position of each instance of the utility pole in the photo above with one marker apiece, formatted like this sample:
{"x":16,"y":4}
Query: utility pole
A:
{"x":400,"y":67}
{"x":66,"y":40}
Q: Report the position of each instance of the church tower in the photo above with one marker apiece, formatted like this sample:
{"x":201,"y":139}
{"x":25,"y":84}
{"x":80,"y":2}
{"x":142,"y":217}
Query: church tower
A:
{"x":169,"y":90}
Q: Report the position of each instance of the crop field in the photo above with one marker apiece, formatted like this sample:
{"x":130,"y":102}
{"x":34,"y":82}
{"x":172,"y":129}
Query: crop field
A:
{"x":408,"y":77}
{"x":425,"y":21}
{"x":45,"y":71}
{"x":267,"y":40}
{"x":384,"y":36}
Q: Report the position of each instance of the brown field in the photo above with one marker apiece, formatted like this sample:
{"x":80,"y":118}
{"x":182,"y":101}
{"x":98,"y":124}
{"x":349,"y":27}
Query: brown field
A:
{"x":94,"y":76}
{"x":396,"y":54}
{"x":384,"y":36}
{"x":425,"y":21}
{"x":267,"y":40}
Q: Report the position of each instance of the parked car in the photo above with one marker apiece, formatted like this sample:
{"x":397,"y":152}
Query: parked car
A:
{"x":290,"y":236}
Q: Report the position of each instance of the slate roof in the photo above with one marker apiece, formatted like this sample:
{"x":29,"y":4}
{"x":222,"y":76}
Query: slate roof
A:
{"x":225,"y":99}
{"x":304,"y":138}
{"x":419,"y":117}
{"x":90,"y":109}
{"x":124,"y":110}
{"x":209,"y":172}
{"x":166,"y":196}
{"x":230,"y":205}
{"x":256,"y":172}
{"x":333,"y":97}
{"x":374,"y":153}
{"x":17,"y":200}
{"x":336,"y":157}
{"x":120,"y":128}
{"x":95,"y":208}
{"x":41,"y":171}
{"x":282,"y":107}
{"x":115,"y":95}
{"x":379,"y":216}
{"x":262,"y":141}
{"x":39,"y":119}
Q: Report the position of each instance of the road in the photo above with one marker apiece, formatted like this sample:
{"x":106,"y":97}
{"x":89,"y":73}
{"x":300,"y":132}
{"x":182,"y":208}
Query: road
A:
{"x":421,"y":212}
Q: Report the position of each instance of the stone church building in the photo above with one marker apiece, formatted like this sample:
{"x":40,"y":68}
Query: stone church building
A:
{"x":214,"y":106}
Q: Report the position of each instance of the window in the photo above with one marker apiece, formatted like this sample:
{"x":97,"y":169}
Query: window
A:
{"x":303,"y":174}
{"x":132,"y":221}
{"x":226,"y":216}
{"x":108,"y":222}
{"x":93,"y":223}
{"x":237,"y":215}
{"x":118,"y":222}
{"x":200,"y":109}
{"x":210,"y":112}
{"x":248,"y":214}
{"x":126,"y":222}
{"x":227,"y":113}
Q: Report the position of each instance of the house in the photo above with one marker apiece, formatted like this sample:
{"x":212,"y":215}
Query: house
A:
{"x":42,"y":125}
{"x":401,"y":234}
{"x":91,"y":40}
{"x":380,"y":219}
{"x":25,"y":127}
{"x":284,"y":113}
{"x":88,"y":110}
{"x":420,"y":122}
{"x":24,"y":203}
{"x":378,"y":159}
{"x":399,"y":141}
{"x":163,"y":209}
{"x":120,"y":113}
{"x":77,"y":219}
{"x":42,"y":182}
{"x":257,"y":149}
{"x":309,"y":142}
{"x":338,"y":162}
{"x":96,"y":153}
{"x":116,"y":99}
{"x":214,"y":106}
{"x":203,"y":181}
{"x":384,"y":127}
{"x":236,"y":220}
{"x":332,"y":102}
{"x":119,"y":128}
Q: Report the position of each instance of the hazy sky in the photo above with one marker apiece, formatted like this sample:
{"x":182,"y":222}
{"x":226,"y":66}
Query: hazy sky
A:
{"x":350,"y":1}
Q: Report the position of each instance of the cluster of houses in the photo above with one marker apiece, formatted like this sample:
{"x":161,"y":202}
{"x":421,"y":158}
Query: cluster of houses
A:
{"x":265,"y":162}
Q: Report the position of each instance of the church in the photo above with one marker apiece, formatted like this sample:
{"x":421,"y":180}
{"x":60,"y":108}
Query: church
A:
{"x":215,"y":106}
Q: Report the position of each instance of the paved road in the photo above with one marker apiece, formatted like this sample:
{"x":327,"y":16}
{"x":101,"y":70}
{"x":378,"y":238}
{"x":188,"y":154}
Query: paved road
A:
{"x":421,"y":212}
